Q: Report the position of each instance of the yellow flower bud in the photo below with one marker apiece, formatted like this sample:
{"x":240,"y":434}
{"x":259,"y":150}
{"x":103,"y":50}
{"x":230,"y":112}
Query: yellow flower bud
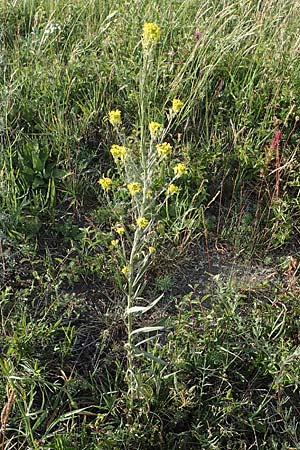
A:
{"x":125,"y":270}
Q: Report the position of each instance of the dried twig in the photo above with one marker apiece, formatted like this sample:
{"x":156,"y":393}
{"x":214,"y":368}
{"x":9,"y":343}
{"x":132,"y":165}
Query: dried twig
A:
{"x":6,"y":412}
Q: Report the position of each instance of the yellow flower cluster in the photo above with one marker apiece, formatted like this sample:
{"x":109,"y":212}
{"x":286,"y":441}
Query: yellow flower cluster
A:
{"x":164,"y":149}
{"x":114,"y":117}
{"x":180,"y":169}
{"x":120,"y":230}
{"x":125,"y":270}
{"x":142,"y":222}
{"x":105,"y":183}
{"x":154,"y":128}
{"x":152,"y":250}
{"x":114,"y":242}
{"x":119,"y":152}
{"x":151,"y":33}
{"x":173,"y":189}
{"x":177,"y":105}
{"x":134,"y":188}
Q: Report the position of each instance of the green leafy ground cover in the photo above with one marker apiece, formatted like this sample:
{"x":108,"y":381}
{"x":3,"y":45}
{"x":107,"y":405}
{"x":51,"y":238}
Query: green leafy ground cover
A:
{"x":123,"y":325}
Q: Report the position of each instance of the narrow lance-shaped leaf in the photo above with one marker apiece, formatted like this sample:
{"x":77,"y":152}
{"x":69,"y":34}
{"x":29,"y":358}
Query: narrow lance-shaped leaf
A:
{"x":143,"y":309}
{"x":146,"y":330}
{"x":144,"y":341}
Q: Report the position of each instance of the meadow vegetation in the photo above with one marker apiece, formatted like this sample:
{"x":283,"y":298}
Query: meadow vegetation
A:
{"x":134,"y":136}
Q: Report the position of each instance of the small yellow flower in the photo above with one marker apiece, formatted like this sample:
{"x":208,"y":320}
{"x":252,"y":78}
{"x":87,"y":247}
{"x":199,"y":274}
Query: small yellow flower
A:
{"x":151,"y":33}
{"x":172,"y":189}
{"x":164,"y":149}
{"x":120,"y":230}
{"x":114,"y":243}
{"x":119,"y":152}
{"x":125,"y":270}
{"x":154,"y":128}
{"x":152,"y":250}
{"x":149,"y":193}
{"x":105,"y":183}
{"x":114,"y":117}
{"x":134,"y":188}
{"x":177,"y":105}
{"x":142,"y":222}
{"x":180,"y":169}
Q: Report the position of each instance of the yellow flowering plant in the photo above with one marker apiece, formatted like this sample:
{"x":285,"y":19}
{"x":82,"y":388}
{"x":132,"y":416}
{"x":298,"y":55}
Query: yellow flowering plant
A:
{"x":105,"y":183}
{"x":177,"y":105}
{"x":144,"y":170}
{"x":142,"y":222}
{"x":134,"y":188}
{"x":154,"y":128}
{"x":180,"y":169}
{"x":125,"y":270}
{"x":172,"y":189}
{"x":119,"y":152}
{"x":151,"y":34}
{"x":164,"y":149}
{"x":120,"y":230}
{"x":114,"y":117}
